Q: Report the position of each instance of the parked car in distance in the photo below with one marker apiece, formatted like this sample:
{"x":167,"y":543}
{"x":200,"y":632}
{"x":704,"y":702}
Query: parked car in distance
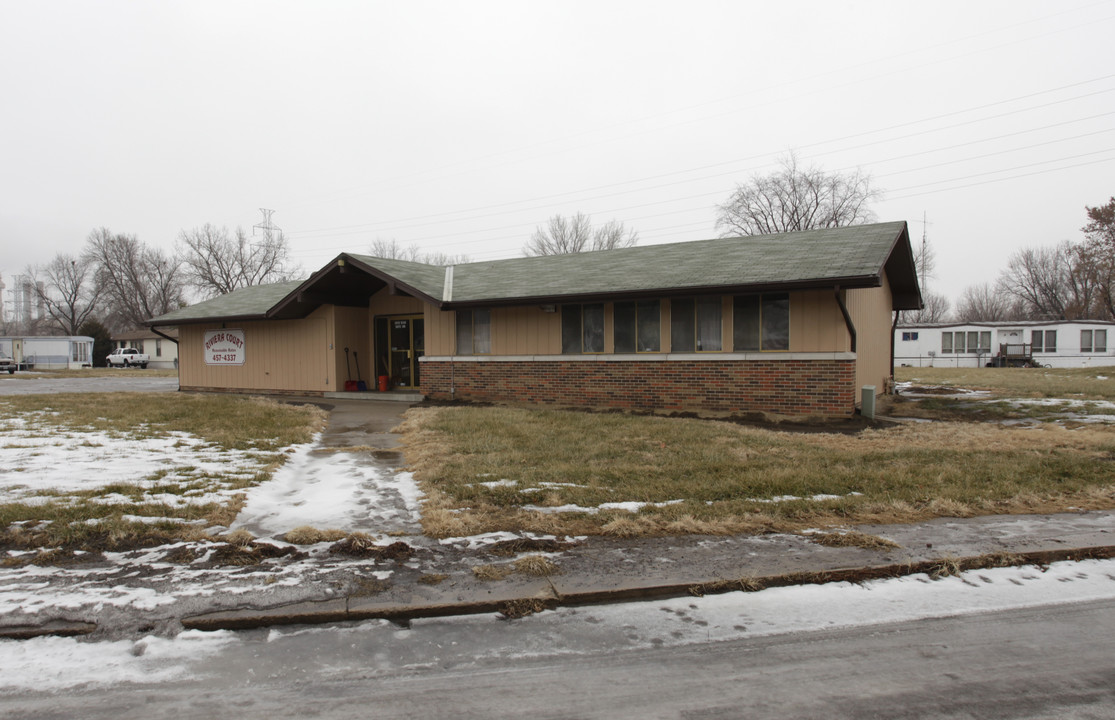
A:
{"x":127,"y":357}
{"x":7,"y":364}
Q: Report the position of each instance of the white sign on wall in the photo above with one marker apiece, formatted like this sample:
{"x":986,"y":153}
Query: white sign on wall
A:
{"x":224,"y":347}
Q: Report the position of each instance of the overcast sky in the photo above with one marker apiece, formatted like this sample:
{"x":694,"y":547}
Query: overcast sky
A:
{"x":460,"y":127}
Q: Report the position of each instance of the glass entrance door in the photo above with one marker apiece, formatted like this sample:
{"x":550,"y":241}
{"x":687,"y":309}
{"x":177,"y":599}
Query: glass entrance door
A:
{"x":408,"y":343}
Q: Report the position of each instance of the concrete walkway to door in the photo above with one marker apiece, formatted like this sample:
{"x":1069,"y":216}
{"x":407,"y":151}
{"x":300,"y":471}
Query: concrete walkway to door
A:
{"x":348,"y":479}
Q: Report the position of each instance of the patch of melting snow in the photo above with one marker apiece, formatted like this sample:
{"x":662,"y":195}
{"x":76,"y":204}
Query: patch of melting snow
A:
{"x":35,"y":460}
{"x":476,"y":542}
{"x":60,"y":663}
{"x":789,"y":498}
{"x":500,"y":483}
{"x":631,"y":506}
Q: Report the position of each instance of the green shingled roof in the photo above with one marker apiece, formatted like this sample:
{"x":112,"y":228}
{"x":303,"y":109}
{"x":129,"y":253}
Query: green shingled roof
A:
{"x":850,"y":257}
{"x":245,"y":303}
{"x":789,"y":259}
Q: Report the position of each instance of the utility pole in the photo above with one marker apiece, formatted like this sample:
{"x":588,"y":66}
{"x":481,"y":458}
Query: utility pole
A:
{"x":924,"y":248}
{"x":266,"y":226}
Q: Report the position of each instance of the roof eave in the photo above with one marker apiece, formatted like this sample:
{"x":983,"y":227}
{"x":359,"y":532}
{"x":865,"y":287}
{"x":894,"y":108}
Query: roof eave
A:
{"x":859,"y":281}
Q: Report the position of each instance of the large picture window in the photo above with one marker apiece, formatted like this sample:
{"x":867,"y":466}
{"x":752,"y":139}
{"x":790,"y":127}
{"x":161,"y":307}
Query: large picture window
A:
{"x":582,"y":328}
{"x":474,"y":332}
{"x":638,"y":326}
{"x":695,"y":325}
{"x":761,"y":322}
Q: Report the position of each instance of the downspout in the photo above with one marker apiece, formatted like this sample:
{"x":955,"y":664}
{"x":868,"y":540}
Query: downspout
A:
{"x":851,"y":330}
{"x":447,"y":296}
{"x":847,"y":317}
{"x":176,"y":360}
{"x":164,"y":335}
{"x":893,"y":330}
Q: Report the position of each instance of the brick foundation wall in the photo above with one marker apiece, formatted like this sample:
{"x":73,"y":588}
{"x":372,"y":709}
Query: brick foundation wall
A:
{"x":788,"y":387}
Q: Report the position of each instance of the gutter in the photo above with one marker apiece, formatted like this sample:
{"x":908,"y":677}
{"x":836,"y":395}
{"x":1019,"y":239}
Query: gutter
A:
{"x":163,"y":335}
{"x":847,"y":317}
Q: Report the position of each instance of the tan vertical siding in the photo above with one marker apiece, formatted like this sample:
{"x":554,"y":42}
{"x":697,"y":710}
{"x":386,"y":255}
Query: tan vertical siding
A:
{"x":384,"y":303}
{"x":352,"y":330}
{"x":441,"y":331}
{"x":816,"y":323}
{"x":526,"y":330}
{"x":871,"y":312}
{"x":279,"y":355}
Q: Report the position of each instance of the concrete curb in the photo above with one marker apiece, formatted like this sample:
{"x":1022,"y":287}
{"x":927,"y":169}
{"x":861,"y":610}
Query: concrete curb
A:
{"x":363,"y":608}
{"x":56,"y":628}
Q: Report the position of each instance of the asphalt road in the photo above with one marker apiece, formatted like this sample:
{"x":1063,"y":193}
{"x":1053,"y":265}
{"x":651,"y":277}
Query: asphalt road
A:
{"x":1037,"y":663}
{"x":128,"y":381}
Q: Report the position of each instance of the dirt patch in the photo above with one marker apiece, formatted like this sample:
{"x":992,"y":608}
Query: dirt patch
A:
{"x":844,"y":426}
{"x":56,"y":557}
{"x":183,"y":555}
{"x":934,"y":390}
{"x":361,"y":545}
{"x":251,"y":554}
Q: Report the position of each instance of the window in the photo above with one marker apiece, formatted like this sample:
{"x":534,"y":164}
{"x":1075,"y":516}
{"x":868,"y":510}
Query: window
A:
{"x":908,"y":336}
{"x":582,"y":328}
{"x":158,"y":348}
{"x":985,"y":341}
{"x":958,"y":342}
{"x":761,"y":322}
{"x":638,"y":326}
{"x":474,"y":331}
{"x":946,"y":342}
{"x":695,"y":325}
{"x":1050,"y":344}
{"x":1093,"y":341}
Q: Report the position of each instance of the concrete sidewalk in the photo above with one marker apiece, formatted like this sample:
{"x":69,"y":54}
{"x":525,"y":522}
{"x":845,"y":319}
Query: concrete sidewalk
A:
{"x":597,"y":570}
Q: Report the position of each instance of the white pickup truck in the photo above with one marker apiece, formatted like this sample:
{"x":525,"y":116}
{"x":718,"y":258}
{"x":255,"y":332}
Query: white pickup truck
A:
{"x":127,"y":357}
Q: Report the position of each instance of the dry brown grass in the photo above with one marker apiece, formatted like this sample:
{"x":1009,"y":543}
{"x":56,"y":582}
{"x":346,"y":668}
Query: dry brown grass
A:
{"x":239,"y":538}
{"x":537,"y":565}
{"x":308,"y":535}
{"x":1017,"y":382}
{"x":721,"y":478}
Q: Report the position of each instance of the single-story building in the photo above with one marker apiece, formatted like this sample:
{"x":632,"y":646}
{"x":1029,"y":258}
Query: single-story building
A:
{"x":162,"y":349}
{"x":789,"y":324}
{"x":1056,"y":343}
{"x":49,"y":353}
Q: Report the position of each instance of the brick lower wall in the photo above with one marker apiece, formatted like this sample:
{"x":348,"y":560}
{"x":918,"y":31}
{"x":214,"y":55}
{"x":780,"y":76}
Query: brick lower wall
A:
{"x":789,"y":387}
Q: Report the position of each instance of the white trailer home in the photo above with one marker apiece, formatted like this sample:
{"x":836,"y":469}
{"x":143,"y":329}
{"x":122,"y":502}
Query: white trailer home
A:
{"x":1061,"y":344}
{"x":49,"y":353}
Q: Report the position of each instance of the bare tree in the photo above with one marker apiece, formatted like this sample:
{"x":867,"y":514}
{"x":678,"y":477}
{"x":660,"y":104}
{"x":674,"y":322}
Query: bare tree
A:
{"x":392,"y":250}
{"x":797,"y":198}
{"x":217,"y":263}
{"x":935,"y":308}
{"x":1051,"y":283}
{"x":1098,"y":255}
{"x":563,"y":236}
{"x":66,"y":288}
{"x":138,"y":282}
{"x":986,"y":302}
